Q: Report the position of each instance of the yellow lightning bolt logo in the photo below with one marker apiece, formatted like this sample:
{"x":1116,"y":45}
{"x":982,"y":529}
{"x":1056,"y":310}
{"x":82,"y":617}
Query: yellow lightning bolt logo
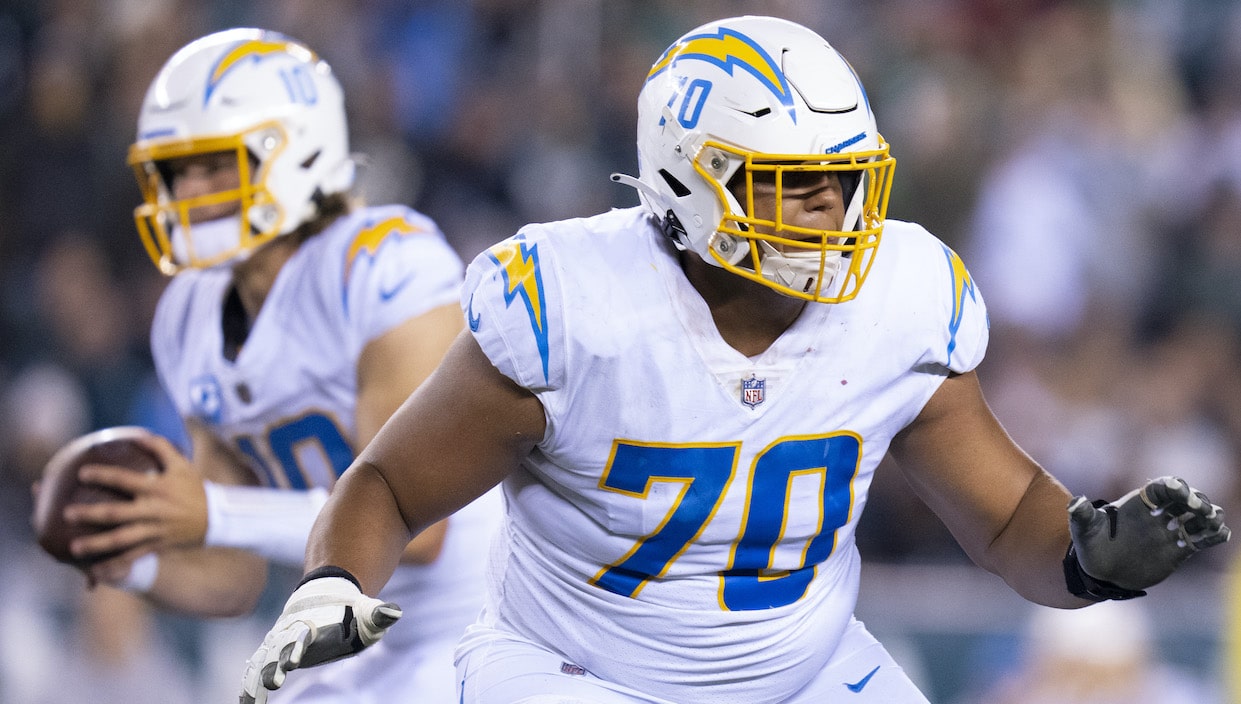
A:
{"x":369,"y":239}
{"x":368,"y":242}
{"x":729,"y":49}
{"x":962,"y":284}
{"x":255,"y":49}
{"x":519,"y":266}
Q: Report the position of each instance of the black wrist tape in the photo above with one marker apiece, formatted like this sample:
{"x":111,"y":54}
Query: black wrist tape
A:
{"x":330,"y":571}
{"x":1083,"y":585}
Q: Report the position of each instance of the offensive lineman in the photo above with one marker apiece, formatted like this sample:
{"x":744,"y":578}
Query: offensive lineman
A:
{"x":685,"y":403}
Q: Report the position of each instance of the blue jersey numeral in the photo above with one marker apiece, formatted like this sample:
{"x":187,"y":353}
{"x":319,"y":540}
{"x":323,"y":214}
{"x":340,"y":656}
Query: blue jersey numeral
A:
{"x":750,"y":581}
{"x":312,"y":432}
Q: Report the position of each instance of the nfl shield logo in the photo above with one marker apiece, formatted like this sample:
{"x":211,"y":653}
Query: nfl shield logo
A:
{"x":206,"y":398}
{"x":753,"y":391}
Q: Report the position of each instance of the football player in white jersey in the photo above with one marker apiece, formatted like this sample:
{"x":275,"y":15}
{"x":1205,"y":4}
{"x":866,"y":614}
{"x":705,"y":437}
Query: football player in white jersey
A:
{"x":685,"y":403}
{"x":294,"y":326}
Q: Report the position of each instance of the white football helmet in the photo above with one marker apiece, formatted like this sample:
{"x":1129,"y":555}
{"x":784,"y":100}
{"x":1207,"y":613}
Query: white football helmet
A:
{"x":263,"y":96}
{"x":760,"y":95}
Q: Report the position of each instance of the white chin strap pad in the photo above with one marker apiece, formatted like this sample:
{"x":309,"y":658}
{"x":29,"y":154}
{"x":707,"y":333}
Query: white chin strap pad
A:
{"x":798,"y":271}
{"x":211,"y":239}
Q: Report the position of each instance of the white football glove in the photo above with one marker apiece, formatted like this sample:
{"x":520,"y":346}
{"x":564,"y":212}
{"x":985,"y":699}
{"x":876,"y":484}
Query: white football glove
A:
{"x":1123,"y":547}
{"x":325,"y":619}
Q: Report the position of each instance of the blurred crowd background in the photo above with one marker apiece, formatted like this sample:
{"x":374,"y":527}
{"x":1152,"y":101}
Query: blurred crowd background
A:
{"x":1083,"y":157}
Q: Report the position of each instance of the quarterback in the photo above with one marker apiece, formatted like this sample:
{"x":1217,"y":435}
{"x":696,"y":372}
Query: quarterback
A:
{"x":294,"y":325}
{"x":685,"y":403}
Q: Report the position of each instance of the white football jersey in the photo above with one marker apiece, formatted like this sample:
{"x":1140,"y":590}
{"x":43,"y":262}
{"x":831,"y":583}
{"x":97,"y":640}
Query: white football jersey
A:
{"x":686,"y":527}
{"x":287,"y":401}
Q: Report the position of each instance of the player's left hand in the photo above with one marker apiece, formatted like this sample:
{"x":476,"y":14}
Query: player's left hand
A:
{"x":326,"y":619}
{"x":1138,"y":540}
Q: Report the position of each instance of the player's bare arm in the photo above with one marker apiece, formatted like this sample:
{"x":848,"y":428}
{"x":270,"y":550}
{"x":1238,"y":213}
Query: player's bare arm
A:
{"x":208,"y":582}
{"x":389,"y":369}
{"x":1003,"y":509}
{"x":406,"y":477}
{"x":408,"y":482}
{"x":1017,"y":521}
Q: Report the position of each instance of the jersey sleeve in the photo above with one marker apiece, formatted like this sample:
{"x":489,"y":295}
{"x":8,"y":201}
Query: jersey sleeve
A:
{"x":513,"y":306}
{"x":964,"y":325}
{"x":167,"y":338}
{"x":397,"y":266}
{"x":164,"y":343}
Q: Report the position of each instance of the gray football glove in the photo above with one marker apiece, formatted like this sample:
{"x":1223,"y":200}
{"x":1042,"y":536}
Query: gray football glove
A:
{"x":1122,"y":547}
{"x":327,"y":618}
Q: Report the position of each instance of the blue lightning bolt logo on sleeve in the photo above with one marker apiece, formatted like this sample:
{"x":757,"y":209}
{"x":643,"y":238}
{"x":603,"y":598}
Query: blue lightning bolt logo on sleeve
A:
{"x":519,"y":265}
{"x":962,"y":284}
{"x":729,"y":48}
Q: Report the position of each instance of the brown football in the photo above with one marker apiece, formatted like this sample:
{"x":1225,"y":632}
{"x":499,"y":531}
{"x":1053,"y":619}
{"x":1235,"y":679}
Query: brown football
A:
{"x":60,"y":486}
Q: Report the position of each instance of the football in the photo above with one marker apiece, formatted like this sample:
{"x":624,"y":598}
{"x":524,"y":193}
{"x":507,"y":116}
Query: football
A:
{"x":60,"y":487}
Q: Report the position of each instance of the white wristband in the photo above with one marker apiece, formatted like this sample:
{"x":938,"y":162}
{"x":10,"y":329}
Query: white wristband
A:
{"x":273,"y":523}
{"x":142,"y":574}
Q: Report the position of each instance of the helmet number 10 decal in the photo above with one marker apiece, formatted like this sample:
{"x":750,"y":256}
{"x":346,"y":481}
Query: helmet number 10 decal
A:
{"x":300,"y":84}
{"x":691,"y":97}
{"x":800,"y":491}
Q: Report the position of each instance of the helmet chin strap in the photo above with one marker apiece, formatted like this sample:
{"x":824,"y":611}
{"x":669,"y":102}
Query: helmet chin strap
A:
{"x":853,"y":213}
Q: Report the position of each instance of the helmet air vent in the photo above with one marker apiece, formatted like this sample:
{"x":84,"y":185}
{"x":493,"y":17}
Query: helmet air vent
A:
{"x":677,"y":187}
{"x":823,"y":79}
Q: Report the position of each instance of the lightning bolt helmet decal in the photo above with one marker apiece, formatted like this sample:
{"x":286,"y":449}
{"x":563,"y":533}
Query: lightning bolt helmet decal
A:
{"x":728,"y":49}
{"x":254,"y":50}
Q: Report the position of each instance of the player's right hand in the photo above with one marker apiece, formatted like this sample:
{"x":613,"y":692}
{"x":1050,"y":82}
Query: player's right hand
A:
{"x":168,"y":509}
{"x":326,"y":619}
